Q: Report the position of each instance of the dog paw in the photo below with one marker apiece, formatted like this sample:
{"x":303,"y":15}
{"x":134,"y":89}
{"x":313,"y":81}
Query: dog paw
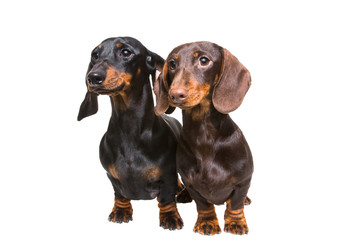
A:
{"x":207,"y":227}
{"x":120,"y":215}
{"x":235,"y":221}
{"x":171,"y":221}
{"x":237,"y":228}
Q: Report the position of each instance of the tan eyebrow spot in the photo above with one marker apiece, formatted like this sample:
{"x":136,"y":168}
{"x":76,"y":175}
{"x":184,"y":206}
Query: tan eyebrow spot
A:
{"x":118,"y":45}
{"x":138,"y":71}
{"x":99,"y":46}
{"x":196,"y":54}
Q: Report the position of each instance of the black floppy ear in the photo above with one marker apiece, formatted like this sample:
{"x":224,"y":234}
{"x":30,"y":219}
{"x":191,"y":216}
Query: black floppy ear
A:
{"x":234,"y":82}
{"x":90,"y":104}
{"x":154,"y":63}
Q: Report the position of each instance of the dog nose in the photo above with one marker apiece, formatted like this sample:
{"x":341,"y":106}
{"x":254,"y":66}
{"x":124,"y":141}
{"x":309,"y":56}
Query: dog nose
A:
{"x":178,"y":95}
{"x":96,"y":78}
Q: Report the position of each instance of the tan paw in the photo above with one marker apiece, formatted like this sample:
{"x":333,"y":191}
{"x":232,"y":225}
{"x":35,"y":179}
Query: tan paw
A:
{"x":170,"y":217}
{"x":207,"y":227}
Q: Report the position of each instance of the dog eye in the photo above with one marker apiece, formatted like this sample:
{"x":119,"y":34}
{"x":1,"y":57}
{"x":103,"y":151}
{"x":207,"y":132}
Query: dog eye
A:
{"x":125,"y":53}
{"x":172,"y":64}
{"x":204,"y":61}
{"x":95,"y":55}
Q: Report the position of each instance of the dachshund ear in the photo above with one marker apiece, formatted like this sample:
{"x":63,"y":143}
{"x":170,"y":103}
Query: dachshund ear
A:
{"x":90,"y":104}
{"x":161,"y":93}
{"x":154,"y":63}
{"x":232,"y":85}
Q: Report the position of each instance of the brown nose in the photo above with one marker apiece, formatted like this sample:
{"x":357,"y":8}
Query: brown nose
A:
{"x":178,"y":95}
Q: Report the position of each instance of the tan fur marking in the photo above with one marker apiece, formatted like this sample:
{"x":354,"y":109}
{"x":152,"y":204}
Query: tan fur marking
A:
{"x":196,"y":93}
{"x":164,"y":73}
{"x":138,"y":71}
{"x":99,"y":46}
{"x":152,"y":173}
{"x":170,"y":215}
{"x":121,"y":100}
{"x":112,"y":170}
{"x":125,"y":203}
{"x":235,"y":221}
{"x":216,"y":79}
{"x":171,"y":207}
{"x":199,"y":111}
{"x":196,"y":54}
{"x":207,"y":222}
{"x":118,"y":45}
{"x":122,"y":211}
{"x":115,"y":78}
{"x":196,"y":103}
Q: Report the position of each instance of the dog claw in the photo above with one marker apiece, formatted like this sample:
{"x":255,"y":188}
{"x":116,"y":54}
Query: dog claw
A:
{"x":121,"y":215}
{"x":171,"y":220}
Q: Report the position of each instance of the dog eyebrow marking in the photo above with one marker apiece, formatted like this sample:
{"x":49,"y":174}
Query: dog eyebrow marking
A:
{"x":118,"y":45}
{"x":138,"y":71}
{"x":196,"y":54}
{"x":99,"y":46}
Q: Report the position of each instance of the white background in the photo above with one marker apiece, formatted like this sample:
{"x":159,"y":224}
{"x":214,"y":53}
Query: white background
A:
{"x":300,"y":116}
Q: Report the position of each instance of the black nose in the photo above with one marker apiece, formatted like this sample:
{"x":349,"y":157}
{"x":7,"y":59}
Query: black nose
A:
{"x":96,"y":78}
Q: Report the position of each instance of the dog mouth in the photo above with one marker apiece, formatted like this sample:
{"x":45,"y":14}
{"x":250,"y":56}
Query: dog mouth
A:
{"x":188,"y":103}
{"x":107,"y":89}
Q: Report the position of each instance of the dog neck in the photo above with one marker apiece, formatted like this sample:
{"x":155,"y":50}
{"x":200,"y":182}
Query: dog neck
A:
{"x":204,"y":118}
{"x":133,"y":108}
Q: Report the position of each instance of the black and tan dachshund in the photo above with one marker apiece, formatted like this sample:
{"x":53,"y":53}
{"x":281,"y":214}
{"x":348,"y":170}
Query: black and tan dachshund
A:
{"x":214,"y":160}
{"x":139,"y":148}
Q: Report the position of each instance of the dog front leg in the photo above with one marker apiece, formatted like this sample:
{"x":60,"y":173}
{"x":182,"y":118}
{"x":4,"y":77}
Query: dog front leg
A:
{"x":235,"y":221}
{"x":122,"y":210}
{"x":168,"y":213}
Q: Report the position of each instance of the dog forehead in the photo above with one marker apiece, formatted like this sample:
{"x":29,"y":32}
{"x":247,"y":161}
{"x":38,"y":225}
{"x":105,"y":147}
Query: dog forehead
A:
{"x":195,"y":49}
{"x":123,"y":42}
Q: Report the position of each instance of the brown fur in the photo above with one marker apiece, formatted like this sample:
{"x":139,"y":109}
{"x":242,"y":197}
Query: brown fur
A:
{"x":214,"y":160}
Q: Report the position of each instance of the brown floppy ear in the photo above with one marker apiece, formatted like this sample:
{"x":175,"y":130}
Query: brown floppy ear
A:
{"x":90,"y":104}
{"x":234,"y":82}
{"x":161,"y":93}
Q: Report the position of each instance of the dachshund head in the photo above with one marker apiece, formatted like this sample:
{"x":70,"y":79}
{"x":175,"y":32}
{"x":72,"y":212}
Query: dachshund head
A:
{"x":196,"y":74}
{"x":116,"y":66}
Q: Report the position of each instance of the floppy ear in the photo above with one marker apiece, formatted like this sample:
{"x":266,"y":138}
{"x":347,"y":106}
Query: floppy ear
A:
{"x":90,"y":104}
{"x":234,"y":82}
{"x":161,"y":93}
{"x":154,"y":63}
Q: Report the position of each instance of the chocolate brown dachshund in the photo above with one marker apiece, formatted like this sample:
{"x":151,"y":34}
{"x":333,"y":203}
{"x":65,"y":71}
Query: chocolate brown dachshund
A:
{"x":138,"y":151}
{"x":214,"y":160}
